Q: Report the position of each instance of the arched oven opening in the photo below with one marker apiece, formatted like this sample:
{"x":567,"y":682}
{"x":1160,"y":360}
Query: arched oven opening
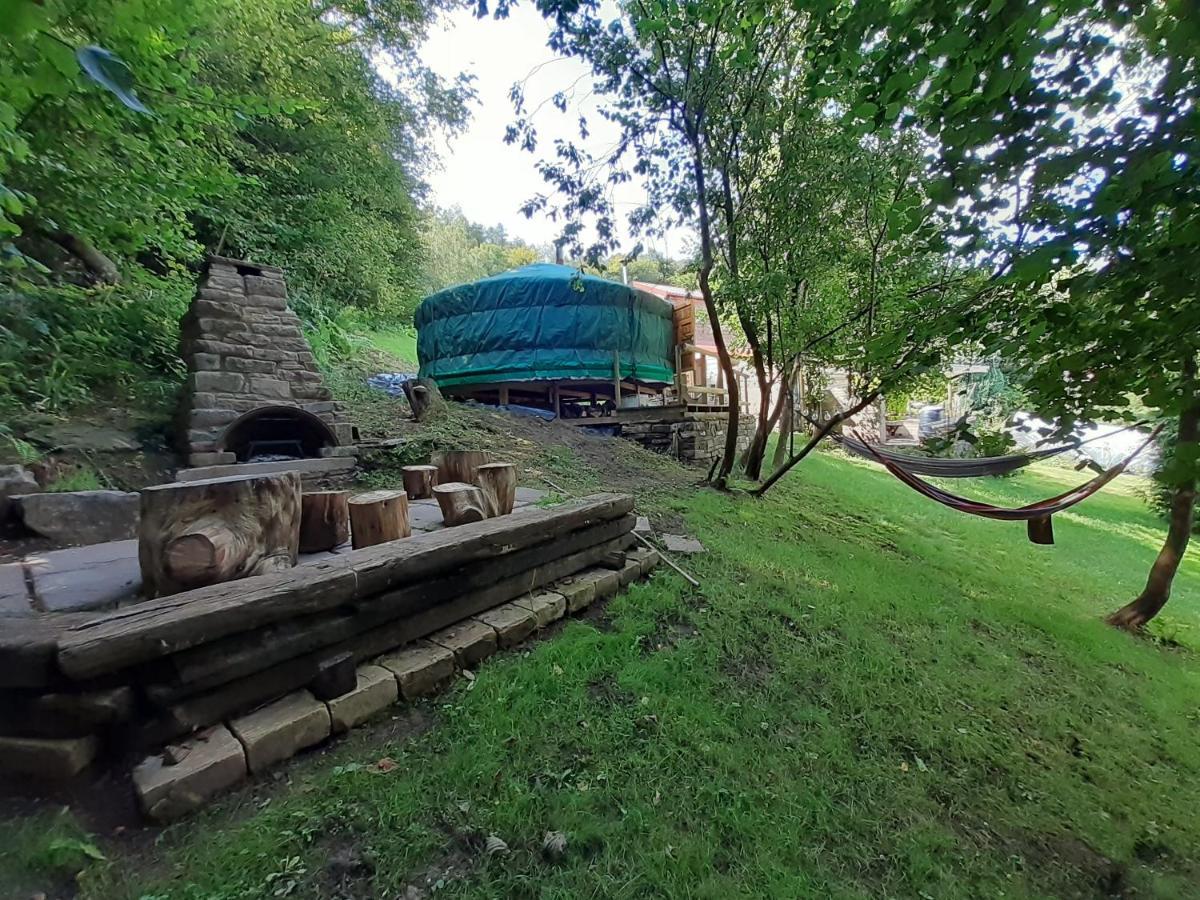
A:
{"x":276,"y":433}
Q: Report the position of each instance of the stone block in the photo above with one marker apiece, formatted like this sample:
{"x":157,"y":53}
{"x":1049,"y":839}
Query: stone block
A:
{"x":209,"y":418}
{"x":212,"y":458}
{"x":203,"y":308}
{"x":471,"y":642}
{"x":204,"y":362}
{"x":512,"y":623}
{"x":80,"y":517}
{"x":186,"y":775}
{"x":51,"y":758}
{"x":265,"y":286}
{"x":320,"y":407}
{"x":14,"y":480}
{"x":226,"y":292}
{"x":262,"y":301}
{"x":217,"y":382}
{"x":343,"y":431}
{"x":646,"y":559}
{"x":249,"y":366}
{"x":269,"y":388}
{"x":282,"y":729}
{"x":606,"y":581}
{"x":629,"y":573}
{"x":376,"y":689}
{"x":420,"y":669}
{"x":546,"y":606}
{"x":578,"y":592}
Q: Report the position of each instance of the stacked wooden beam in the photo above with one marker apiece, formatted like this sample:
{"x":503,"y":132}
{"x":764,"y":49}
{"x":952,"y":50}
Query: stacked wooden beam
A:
{"x":197,"y":658}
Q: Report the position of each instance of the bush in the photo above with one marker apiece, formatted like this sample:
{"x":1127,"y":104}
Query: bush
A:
{"x":63,"y":345}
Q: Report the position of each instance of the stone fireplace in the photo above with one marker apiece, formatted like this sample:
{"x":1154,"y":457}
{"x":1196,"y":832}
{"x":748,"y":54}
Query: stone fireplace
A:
{"x":253,"y":393}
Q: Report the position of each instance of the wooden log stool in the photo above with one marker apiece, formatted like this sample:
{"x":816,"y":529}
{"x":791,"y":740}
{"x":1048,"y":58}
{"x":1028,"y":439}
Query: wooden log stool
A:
{"x":197,"y":533}
{"x":460,"y":465}
{"x":419,"y":481}
{"x":498,"y":481}
{"x":378,"y":516}
{"x":460,"y":503}
{"x":324,"y":520}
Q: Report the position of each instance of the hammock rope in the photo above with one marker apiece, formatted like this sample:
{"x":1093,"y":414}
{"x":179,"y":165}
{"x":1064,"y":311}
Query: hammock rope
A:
{"x":1036,"y":515}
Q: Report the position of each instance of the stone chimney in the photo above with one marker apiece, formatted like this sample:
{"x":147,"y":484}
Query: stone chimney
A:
{"x":253,"y":392}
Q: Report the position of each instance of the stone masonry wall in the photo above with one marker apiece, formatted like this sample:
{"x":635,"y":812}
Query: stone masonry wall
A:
{"x":699,"y":438}
{"x":244,"y":350}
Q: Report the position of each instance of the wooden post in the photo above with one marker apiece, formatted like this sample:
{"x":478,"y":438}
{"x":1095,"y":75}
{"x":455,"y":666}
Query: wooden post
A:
{"x":324,"y":520}
{"x":460,"y":503}
{"x":197,"y":533}
{"x":554,"y":398}
{"x":377,"y":517}
{"x":498,"y":481}
{"x":419,"y":481}
{"x":504,"y":396}
{"x":617,"y":379}
{"x":680,"y":380}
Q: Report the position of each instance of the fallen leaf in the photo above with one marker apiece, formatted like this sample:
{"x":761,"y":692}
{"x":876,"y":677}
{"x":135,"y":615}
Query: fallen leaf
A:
{"x":385,"y":765}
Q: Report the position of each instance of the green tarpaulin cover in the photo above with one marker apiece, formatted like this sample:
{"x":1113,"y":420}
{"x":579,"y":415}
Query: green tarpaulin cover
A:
{"x":543,"y":322}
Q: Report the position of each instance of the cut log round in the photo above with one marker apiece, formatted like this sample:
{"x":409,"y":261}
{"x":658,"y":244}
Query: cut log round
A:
{"x":324,"y":520}
{"x":377,"y":517}
{"x":460,"y":465}
{"x":498,"y":481}
{"x":461,"y":503}
{"x":419,"y":481}
{"x":198,"y":533}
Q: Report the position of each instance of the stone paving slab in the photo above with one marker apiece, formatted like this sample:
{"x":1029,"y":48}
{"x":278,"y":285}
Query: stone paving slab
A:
{"x":86,"y":577}
{"x":525,"y":496}
{"x":681,"y":543}
{"x":14,"y":595}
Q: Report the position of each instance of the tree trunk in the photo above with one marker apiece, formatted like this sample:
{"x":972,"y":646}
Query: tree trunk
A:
{"x":197,"y":533}
{"x":461,"y":503}
{"x":786,"y":424}
{"x":1154,"y":596}
{"x":816,"y":439}
{"x":419,"y":481}
{"x":498,"y":482}
{"x":729,"y":454}
{"x":96,"y":262}
{"x":424,"y":398}
{"x":377,"y":517}
{"x":324,"y":520}
{"x":460,"y":465}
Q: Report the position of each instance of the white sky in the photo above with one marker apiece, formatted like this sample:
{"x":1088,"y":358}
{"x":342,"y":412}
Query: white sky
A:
{"x":487,"y":178}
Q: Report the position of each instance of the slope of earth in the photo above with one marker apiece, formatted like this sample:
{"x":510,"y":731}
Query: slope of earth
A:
{"x":869,"y":696}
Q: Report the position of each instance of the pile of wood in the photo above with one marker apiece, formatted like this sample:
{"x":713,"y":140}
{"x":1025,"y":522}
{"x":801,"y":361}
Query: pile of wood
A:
{"x":158,"y":669}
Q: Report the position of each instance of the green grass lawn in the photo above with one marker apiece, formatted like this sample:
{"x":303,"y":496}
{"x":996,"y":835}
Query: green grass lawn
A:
{"x":870,"y":696}
{"x":401,"y":344}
